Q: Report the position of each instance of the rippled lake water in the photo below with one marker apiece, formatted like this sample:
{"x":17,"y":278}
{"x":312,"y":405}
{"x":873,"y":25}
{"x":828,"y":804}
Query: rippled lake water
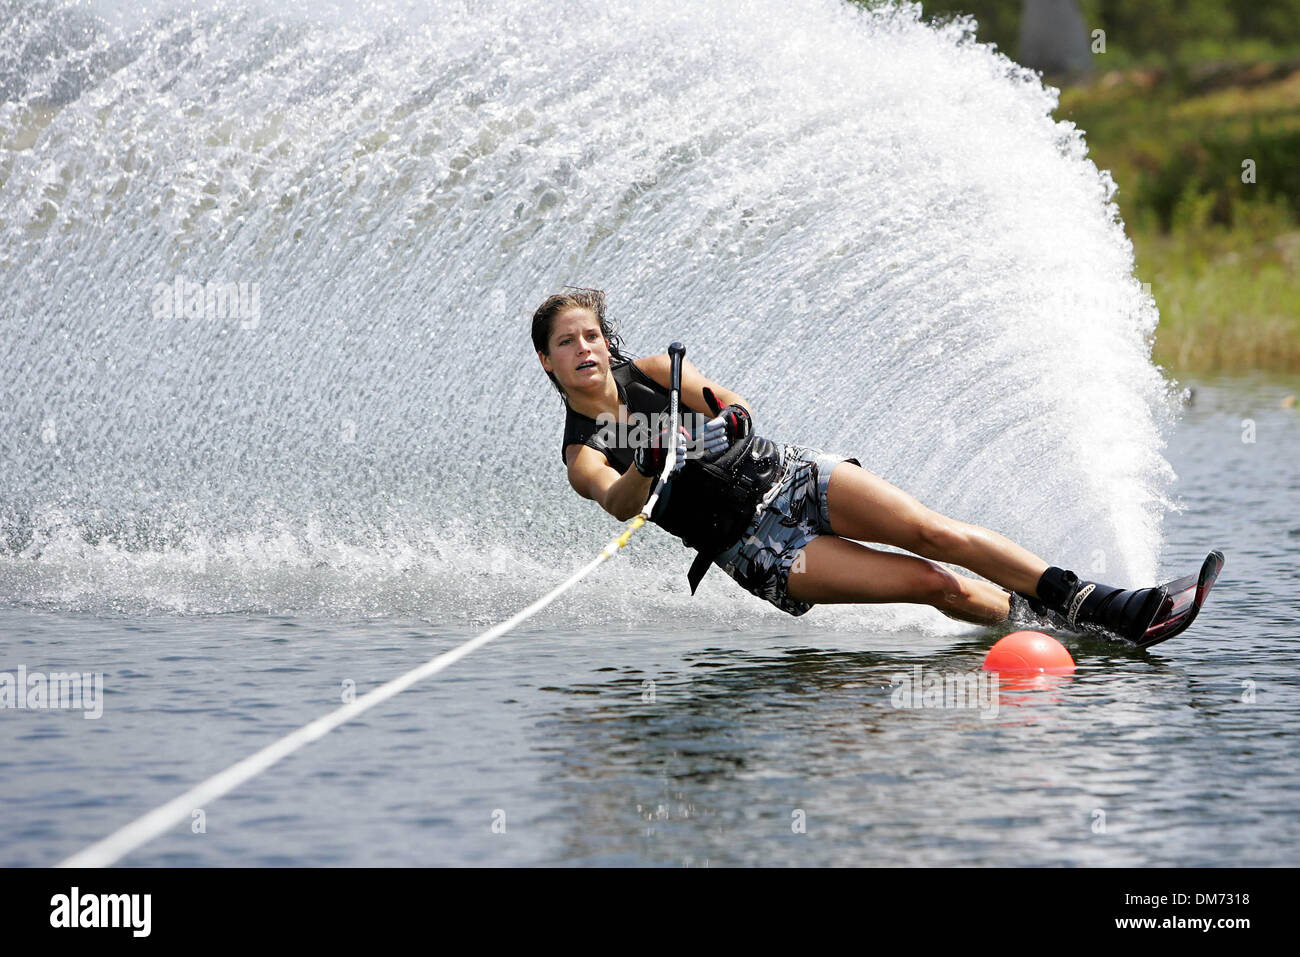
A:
{"x":645,"y":745}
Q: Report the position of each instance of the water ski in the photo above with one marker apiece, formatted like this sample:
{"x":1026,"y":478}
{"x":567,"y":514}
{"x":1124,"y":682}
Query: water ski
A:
{"x":1182,"y":602}
{"x":1139,"y":617}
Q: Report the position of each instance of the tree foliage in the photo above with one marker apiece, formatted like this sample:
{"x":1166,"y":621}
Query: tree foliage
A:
{"x":1152,"y":31}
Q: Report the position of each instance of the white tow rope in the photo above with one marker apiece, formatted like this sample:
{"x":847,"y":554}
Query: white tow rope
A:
{"x":139,"y":832}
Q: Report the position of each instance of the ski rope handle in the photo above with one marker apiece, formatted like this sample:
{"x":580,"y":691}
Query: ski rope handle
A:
{"x":677,"y":352}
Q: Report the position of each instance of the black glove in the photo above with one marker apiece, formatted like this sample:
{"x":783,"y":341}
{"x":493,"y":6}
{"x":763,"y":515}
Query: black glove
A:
{"x":649,"y":459}
{"x":727,"y":427}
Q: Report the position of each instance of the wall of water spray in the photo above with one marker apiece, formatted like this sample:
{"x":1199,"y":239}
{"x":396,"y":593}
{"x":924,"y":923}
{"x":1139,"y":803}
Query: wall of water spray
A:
{"x":267,"y":273}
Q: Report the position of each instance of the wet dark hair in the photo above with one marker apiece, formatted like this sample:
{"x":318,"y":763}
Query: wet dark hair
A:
{"x":579,"y":297}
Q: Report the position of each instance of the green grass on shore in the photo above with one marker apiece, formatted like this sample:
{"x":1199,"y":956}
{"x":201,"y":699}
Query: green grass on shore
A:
{"x":1229,"y":299}
{"x":1222,"y":255}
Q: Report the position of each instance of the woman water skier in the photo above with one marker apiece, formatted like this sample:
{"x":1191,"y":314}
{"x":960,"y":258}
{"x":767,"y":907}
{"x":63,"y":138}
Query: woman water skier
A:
{"x":785,"y":522}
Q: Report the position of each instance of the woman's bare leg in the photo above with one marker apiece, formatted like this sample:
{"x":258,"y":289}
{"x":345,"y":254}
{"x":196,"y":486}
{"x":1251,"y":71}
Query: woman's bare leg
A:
{"x":864,"y":506}
{"x":834,"y":570}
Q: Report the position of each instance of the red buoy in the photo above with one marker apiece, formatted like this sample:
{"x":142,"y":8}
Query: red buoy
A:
{"x":1029,"y":651}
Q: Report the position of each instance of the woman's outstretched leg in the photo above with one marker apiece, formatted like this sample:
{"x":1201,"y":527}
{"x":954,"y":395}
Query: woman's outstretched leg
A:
{"x":834,"y":570}
{"x":865,"y":507}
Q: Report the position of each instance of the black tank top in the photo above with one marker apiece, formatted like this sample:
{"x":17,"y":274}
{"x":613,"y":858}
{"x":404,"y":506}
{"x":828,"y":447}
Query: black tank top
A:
{"x":706,"y":506}
{"x":640,"y":394}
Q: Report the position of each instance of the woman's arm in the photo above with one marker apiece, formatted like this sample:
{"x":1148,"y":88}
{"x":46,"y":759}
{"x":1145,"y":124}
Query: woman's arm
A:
{"x":592,"y":477}
{"x":660,"y":369}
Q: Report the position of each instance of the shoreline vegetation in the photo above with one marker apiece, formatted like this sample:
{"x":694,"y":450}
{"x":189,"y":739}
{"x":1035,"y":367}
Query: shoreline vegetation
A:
{"x":1222,"y":253}
{"x":1194,"y":108}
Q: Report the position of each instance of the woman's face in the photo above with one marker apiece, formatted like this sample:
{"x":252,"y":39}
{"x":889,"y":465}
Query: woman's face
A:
{"x":579,"y":355}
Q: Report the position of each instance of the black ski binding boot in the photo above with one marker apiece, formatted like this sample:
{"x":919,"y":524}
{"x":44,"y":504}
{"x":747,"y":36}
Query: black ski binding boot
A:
{"x":1081,"y":606}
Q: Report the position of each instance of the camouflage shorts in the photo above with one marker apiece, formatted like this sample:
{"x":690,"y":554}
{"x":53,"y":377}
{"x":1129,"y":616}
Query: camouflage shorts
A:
{"x":792,"y":514}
